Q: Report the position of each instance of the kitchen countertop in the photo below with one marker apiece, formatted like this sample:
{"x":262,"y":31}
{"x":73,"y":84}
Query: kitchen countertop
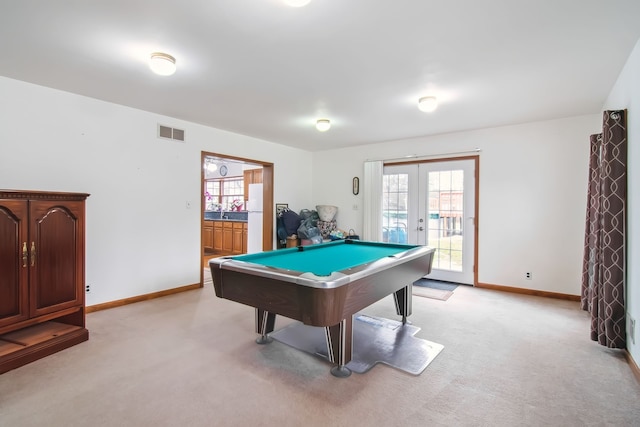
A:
{"x":236,"y":216}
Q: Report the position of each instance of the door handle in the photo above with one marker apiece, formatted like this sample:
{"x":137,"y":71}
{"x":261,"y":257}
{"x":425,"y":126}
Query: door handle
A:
{"x":420,"y":228}
{"x":33,"y":254}
{"x":25,"y":257}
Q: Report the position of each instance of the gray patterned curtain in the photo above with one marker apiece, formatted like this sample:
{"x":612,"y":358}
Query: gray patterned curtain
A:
{"x":603,"y":272}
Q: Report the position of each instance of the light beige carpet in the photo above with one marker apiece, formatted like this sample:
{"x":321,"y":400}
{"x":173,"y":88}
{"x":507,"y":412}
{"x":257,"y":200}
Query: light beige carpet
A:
{"x":191,"y":360}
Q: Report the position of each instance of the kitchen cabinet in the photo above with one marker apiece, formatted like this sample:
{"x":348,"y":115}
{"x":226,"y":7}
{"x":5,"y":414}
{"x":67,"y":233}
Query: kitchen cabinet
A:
{"x":229,"y":237}
{"x":207,"y":236}
{"x":251,"y":176}
{"x":236,"y":247}
{"x":42,"y":262}
{"x":245,"y":237}
{"x":217,"y":236}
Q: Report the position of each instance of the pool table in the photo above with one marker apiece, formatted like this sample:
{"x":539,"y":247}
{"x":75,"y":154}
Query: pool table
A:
{"x":322,"y":285}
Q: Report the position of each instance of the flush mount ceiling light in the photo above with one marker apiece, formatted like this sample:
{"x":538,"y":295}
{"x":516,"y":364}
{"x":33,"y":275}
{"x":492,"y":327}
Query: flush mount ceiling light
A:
{"x":297,"y":3}
{"x":210,"y":165}
{"x":428,"y":104}
{"x":162,"y":63}
{"x":323,"y":125}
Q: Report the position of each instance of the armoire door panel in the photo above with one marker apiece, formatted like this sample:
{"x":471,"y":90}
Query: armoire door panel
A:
{"x":55,"y":266}
{"x":14,"y":302}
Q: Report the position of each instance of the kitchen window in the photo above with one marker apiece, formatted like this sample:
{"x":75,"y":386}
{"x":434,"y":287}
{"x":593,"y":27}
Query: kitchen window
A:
{"x":224,"y":194}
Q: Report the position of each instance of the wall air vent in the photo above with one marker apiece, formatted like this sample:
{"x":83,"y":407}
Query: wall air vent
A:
{"x":170,"y":133}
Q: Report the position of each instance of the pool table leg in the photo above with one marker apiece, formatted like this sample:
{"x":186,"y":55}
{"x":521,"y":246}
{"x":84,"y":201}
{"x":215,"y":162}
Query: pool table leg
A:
{"x":340,"y":345}
{"x":403,"y":302}
{"x":265,"y":323}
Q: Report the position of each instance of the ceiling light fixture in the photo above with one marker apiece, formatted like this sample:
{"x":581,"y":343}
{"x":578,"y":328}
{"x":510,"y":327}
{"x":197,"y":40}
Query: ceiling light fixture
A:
{"x":323,"y":125}
{"x":297,"y":3}
{"x":428,"y":104}
{"x":210,"y":165}
{"x":162,"y":63}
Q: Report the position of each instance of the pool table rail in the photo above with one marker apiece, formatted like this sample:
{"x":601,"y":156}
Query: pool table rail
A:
{"x":336,"y":279}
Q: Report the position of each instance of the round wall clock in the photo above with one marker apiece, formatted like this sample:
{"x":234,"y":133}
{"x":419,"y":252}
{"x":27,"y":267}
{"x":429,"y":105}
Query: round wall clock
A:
{"x":223,"y":170}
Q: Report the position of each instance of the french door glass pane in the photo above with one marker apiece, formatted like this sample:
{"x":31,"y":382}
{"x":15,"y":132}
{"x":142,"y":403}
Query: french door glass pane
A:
{"x":446,"y":218}
{"x":394,"y":208}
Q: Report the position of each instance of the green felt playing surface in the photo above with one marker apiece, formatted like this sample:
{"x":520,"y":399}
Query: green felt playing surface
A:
{"x":326,"y":258}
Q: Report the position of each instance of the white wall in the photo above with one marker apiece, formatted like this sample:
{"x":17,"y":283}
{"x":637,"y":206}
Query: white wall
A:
{"x":533,"y":181}
{"x":626,"y":94}
{"x":141,"y":238}
{"x":140,"y":235}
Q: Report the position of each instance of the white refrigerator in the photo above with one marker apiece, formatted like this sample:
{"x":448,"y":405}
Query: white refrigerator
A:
{"x":254,"y":219}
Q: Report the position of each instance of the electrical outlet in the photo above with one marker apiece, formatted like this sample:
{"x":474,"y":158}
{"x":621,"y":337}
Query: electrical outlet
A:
{"x":87,"y":288}
{"x":527,"y":275}
{"x":632,"y":329}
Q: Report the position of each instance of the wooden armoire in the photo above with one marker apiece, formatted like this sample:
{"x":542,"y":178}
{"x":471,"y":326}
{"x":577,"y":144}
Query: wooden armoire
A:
{"x":42,"y":262}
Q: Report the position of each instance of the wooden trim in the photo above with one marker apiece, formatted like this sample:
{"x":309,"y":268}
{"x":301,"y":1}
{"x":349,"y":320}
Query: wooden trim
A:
{"x":533,"y":292}
{"x":444,"y":158}
{"x":38,"y":350}
{"x":268,"y":220}
{"x":42,"y":195}
{"x":40,"y":319}
{"x":633,"y":365}
{"x":476,"y":224}
{"x":139,"y":298}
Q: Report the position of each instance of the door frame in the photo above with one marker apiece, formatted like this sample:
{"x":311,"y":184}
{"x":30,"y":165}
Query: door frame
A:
{"x":476,"y":210}
{"x":267,"y":202}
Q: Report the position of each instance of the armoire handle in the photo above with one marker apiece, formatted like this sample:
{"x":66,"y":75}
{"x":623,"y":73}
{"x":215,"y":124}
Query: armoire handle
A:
{"x":33,"y":254}
{"x":25,"y":257}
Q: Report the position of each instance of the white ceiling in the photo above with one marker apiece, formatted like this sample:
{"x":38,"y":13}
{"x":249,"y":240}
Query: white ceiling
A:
{"x":267,"y":70}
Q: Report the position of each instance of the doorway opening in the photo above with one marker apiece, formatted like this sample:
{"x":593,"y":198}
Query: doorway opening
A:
{"x":236,"y":206}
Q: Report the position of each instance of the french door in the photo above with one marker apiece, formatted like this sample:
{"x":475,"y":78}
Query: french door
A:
{"x":433,"y":203}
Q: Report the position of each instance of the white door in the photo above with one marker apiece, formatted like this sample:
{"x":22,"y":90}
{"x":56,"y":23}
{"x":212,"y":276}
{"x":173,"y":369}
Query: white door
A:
{"x":433,"y":204}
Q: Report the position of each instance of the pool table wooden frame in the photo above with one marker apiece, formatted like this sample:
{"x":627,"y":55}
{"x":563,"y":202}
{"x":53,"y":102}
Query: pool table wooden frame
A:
{"x":325,"y":301}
